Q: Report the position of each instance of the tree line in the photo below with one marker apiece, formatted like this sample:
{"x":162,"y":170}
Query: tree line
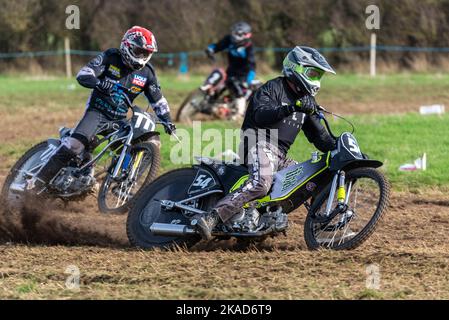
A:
{"x":184,"y":25}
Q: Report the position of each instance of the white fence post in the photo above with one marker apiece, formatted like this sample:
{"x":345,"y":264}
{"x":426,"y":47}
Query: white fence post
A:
{"x":373,"y":55}
{"x":68,"y":60}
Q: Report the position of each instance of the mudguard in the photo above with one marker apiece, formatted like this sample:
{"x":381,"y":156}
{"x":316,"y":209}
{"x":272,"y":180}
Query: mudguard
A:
{"x":365,"y":163}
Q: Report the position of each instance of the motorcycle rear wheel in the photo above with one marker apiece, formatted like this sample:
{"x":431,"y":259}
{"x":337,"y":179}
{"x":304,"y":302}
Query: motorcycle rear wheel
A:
{"x":190,"y":109}
{"x":147,"y":210}
{"x":13,"y":199}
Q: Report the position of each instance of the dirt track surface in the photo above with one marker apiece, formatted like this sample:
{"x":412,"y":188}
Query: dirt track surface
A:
{"x":410,"y":248}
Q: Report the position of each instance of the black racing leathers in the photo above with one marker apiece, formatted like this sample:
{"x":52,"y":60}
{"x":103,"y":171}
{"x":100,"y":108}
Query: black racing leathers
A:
{"x":109,"y":65}
{"x":269,"y":113}
{"x":269,"y":109}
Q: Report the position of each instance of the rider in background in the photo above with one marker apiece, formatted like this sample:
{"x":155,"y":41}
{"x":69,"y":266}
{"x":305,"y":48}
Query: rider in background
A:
{"x":242,"y":62}
{"x":128,"y":66}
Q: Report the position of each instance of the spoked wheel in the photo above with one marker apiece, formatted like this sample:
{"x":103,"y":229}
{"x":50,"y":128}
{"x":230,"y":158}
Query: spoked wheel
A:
{"x":191,"y":108}
{"x":14,"y":188}
{"x":147,"y":210}
{"x":115,"y":196}
{"x":348,"y":229}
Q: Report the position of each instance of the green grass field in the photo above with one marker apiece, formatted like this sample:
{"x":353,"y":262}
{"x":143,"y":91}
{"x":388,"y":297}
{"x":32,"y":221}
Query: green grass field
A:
{"x":394,"y":140}
{"x":392,"y":135}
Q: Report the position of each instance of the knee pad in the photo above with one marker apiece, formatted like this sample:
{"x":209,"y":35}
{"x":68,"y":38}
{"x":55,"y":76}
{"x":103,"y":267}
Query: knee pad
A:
{"x":73,"y":144}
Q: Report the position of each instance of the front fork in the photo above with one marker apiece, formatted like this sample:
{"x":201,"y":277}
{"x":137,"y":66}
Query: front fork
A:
{"x":338,"y":187}
{"x":123,"y":155}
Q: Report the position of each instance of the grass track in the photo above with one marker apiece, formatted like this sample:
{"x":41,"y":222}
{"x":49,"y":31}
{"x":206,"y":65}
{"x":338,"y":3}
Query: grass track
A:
{"x":410,"y":246}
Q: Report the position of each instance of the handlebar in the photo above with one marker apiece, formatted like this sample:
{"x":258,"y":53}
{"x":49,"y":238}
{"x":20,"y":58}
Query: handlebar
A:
{"x":130,"y":105}
{"x":321,"y":115}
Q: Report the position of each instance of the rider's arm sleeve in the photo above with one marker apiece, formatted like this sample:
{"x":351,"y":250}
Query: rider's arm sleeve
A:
{"x":88,"y":75}
{"x":317,"y":134}
{"x":251,"y":76}
{"x":221,"y":45}
{"x":252,"y":65}
{"x":267,"y":109}
{"x":157,"y":100}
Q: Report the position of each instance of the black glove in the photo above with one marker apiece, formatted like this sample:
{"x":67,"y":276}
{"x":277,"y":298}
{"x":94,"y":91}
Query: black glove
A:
{"x":106,"y":86}
{"x":210,"y":53}
{"x":307,"y":105}
{"x":169,"y":128}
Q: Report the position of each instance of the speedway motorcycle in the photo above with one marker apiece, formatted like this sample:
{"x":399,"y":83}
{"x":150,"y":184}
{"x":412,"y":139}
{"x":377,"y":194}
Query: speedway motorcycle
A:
{"x":213,"y":99}
{"x":127,"y":154}
{"x":344,"y":193}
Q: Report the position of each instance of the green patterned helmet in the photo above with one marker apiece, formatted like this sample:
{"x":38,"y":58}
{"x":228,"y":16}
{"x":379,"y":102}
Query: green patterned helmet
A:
{"x":304,"y":67}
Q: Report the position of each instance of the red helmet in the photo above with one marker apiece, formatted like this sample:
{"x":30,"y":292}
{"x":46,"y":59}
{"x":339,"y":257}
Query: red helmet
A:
{"x":137,"y":47}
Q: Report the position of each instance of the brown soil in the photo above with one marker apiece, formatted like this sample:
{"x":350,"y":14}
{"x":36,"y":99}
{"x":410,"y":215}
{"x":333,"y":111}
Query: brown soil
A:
{"x":409,"y":247}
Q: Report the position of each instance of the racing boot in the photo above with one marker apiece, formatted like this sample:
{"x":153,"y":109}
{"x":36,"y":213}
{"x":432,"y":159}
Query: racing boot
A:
{"x":59,"y":160}
{"x":206,"y":223}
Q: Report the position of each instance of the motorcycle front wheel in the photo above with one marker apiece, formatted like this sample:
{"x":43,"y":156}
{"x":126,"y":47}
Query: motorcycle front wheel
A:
{"x":116,"y":196}
{"x":367,"y":203}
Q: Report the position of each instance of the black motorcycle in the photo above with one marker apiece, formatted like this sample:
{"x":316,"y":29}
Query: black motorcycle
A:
{"x":343,"y":192}
{"x":126,"y":154}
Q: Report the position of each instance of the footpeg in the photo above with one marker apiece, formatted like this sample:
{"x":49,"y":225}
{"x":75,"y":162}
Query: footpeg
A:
{"x":281,"y":223}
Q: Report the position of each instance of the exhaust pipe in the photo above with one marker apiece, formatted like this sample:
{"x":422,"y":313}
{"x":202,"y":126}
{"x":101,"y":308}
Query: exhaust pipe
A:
{"x":171,"y":230}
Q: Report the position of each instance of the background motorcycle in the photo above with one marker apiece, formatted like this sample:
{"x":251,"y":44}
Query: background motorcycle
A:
{"x":132,"y":161}
{"x":214,"y":99}
{"x":344,"y":193}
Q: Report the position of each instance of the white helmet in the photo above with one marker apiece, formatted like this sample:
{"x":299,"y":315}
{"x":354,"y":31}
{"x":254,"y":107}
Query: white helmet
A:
{"x":304,"y":67}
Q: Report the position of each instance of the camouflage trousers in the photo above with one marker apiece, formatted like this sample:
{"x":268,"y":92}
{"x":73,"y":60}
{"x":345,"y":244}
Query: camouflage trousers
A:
{"x":264,"y":160}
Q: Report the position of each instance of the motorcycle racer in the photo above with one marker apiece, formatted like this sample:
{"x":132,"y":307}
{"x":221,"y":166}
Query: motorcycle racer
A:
{"x":128,"y":66}
{"x":284,"y":105}
{"x":241,"y":70}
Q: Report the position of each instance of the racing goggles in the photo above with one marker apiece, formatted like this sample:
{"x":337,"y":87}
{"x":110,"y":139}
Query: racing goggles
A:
{"x":313,"y":73}
{"x":240,"y":35}
{"x":141,"y":53}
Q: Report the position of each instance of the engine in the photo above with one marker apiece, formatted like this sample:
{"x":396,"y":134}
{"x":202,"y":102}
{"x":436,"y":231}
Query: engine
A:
{"x":250,"y":220}
{"x":246,"y":221}
{"x":69,"y":182}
